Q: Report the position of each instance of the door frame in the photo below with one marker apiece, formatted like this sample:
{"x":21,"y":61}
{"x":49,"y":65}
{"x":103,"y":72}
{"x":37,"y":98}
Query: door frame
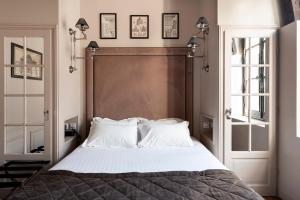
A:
{"x":223,"y":31}
{"x":53,"y":90}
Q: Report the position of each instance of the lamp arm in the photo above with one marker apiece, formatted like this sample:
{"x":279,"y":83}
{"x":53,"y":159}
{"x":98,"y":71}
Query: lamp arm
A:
{"x":201,"y":38}
{"x":84,"y":37}
{"x":191,"y":56}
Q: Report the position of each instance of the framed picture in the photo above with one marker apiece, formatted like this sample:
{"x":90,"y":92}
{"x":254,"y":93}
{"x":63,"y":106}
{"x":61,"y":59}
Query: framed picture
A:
{"x":139,"y":26}
{"x":108,"y":26}
{"x":170,"y":25}
{"x":33,"y":58}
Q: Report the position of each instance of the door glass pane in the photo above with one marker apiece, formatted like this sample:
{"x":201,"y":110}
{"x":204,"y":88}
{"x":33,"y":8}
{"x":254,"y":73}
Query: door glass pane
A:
{"x":240,"y":137}
{"x":239,"y":80}
{"x":35,"y":110}
{"x":259,"y":80}
{"x":14,"y":110}
{"x":35,"y":58}
{"x":13,"y":55}
{"x":24,"y":91}
{"x":14,"y":84}
{"x":35,"y":80}
{"x":14,"y":139}
{"x":239,"y":54}
{"x":259,"y":51}
{"x":239,"y":106}
{"x":260,"y":137}
{"x":260,"y":108}
{"x":35,"y":139}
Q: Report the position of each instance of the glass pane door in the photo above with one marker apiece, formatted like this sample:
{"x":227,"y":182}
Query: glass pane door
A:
{"x":250,"y":93}
{"x":24,"y":95}
{"x":249,"y":96}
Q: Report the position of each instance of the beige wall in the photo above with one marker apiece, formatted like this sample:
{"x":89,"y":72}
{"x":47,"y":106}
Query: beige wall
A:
{"x":189,"y":11}
{"x":69,"y":85}
{"x":289,"y":144}
{"x":33,"y":12}
{"x":209,"y":81}
{"x":249,"y":12}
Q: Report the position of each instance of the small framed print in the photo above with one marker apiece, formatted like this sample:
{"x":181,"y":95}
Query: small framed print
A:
{"x":33,"y":58}
{"x":108,"y":26}
{"x":139,"y":26}
{"x":170,"y":25}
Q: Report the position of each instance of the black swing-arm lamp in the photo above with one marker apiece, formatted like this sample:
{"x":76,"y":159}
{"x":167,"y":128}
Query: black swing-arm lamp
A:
{"x":82,"y":25}
{"x":194,"y":42}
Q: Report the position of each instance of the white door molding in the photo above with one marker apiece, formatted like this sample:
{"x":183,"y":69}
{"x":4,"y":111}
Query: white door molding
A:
{"x":238,"y":160}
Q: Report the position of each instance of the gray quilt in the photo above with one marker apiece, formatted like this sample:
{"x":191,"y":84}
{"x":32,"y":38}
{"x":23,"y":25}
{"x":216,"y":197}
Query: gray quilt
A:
{"x":209,"y":184}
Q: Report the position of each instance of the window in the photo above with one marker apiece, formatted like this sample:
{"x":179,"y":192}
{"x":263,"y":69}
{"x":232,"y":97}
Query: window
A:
{"x":251,"y":56}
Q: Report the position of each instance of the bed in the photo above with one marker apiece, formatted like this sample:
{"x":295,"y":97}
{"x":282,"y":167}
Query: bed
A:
{"x":152,"y":83}
{"x":162,"y":173}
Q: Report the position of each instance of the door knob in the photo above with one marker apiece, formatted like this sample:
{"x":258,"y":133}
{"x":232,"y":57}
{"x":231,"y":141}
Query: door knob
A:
{"x":228,"y":113}
{"x":46,"y":115}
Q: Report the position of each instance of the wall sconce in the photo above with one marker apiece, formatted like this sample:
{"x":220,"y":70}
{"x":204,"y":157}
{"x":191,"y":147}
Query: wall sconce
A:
{"x":93,"y":45}
{"x":195,"y":41}
{"x":82,"y":26}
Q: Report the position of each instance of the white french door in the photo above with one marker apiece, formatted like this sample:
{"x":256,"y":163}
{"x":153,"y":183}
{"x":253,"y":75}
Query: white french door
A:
{"x":25,"y":94}
{"x":249,"y":115}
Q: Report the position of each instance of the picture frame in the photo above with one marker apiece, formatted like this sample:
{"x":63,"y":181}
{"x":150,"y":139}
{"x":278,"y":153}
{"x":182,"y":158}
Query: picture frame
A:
{"x":170,"y":25}
{"x":139,"y":26}
{"x":33,"y":57}
{"x":108,"y":25}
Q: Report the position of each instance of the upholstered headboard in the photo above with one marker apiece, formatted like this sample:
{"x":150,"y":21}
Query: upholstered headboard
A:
{"x":139,"y":82}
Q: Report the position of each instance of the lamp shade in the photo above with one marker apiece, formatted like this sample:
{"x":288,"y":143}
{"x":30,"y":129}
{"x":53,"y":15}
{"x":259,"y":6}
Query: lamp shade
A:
{"x":202,"y":24}
{"x":193,"y":42}
{"x":93,"y":45}
{"x":82,"y":24}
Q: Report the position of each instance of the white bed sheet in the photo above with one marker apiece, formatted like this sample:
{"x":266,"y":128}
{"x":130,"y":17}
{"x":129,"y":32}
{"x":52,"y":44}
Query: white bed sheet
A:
{"x":122,"y":160}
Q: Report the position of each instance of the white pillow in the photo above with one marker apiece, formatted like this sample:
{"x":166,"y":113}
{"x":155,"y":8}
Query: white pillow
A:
{"x":129,"y":120}
{"x":157,"y":134}
{"x":111,"y":133}
{"x":165,"y":121}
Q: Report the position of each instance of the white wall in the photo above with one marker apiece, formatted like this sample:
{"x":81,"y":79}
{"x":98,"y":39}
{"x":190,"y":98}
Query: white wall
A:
{"x":69,"y":85}
{"x":249,"y":12}
{"x":289,"y":144}
{"x":189,"y":11}
{"x":33,"y":12}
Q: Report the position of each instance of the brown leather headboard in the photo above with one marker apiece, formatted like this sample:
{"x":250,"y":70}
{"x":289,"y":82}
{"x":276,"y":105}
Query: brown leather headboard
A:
{"x":139,"y":82}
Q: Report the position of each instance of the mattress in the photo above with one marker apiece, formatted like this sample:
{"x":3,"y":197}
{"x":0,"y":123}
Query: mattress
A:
{"x":124,"y":160}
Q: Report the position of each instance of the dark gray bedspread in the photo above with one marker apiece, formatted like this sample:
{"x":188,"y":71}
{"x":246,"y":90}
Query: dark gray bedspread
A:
{"x":209,"y":184}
